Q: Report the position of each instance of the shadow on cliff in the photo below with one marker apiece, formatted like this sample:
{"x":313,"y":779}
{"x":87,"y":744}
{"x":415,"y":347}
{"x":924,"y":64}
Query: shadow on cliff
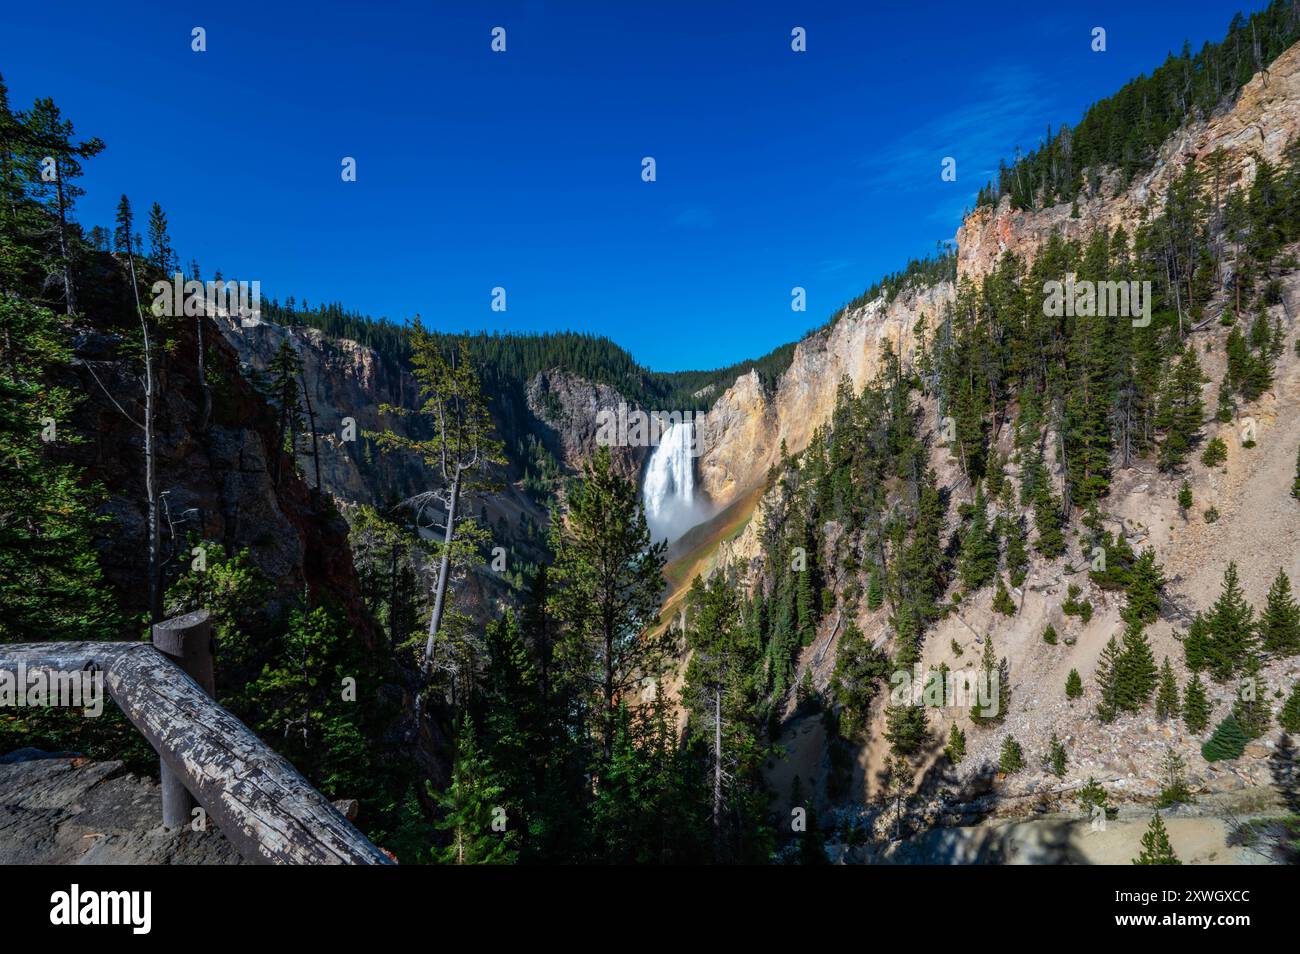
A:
{"x":951,"y":821}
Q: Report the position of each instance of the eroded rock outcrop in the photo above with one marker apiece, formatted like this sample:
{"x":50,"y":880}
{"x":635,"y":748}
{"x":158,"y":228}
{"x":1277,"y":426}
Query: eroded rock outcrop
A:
{"x":1262,"y":121}
{"x":744,"y":429}
{"x":568,"y":409}
{"x":746,"y":425}
{"x":215,"y":476}
{"x":344,"y":380}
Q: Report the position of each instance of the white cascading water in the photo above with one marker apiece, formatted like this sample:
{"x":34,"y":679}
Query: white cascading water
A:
{"x":669,"y":491}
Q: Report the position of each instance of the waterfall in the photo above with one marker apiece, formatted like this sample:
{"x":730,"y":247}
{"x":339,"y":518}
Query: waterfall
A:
{"x":669,"y":490}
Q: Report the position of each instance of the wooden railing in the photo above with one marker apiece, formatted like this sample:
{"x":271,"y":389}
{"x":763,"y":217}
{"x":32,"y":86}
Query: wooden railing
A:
{"x":260,"y":802}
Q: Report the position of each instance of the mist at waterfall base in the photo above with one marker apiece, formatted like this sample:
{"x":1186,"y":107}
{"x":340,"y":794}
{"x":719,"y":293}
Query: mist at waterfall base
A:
{"x":671,"y":504}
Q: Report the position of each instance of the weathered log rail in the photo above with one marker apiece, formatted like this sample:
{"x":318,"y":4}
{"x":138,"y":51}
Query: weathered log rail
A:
{"x":262,"y":805}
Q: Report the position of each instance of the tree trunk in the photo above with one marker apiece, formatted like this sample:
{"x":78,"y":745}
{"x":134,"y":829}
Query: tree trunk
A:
{"x":444,"y":569}
{"x":607,"y":743}
{"x":68,"y":295}
{"x":278,"y":457}
{"x":205,"y":394}
{"x":315,"y":444}
{"x":150,"y":463}
{"x":717,"y":771}
{"x":392,"y":596}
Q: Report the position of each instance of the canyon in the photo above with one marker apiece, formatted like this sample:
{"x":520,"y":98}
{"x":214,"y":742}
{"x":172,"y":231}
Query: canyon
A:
{"x":705,"y":485}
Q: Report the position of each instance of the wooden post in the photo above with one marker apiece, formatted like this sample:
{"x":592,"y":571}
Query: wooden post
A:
{"x":186,"y":641}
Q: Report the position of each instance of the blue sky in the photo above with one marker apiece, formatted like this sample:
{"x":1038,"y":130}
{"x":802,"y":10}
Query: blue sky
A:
{"x":522,"y":169}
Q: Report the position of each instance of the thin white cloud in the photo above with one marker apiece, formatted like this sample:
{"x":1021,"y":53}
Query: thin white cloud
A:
{"x":832,"y":265}
{"x":1005,"y":112}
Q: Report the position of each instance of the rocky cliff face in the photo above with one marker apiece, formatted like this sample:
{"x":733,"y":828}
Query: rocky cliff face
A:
{"x":746,"y":426}
{"x":347,"y":379}
{"x":344,"y":380}
{"x":567,"y":408}
{"x":1258,"y":522}
{"x":214,"y":477}
{"x":1262,"y":120}
{"x":742,"y":435}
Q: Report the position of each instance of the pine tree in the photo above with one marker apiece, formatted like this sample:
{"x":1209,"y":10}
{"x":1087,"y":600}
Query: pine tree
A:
{"x":1012,"y":757}
{"x":1196,"y":644}
{"x":1017,"y":557}
{"x":978,"y":561}
{"x":1029,"y":436}
{"x":956,"y":748}
{"x":650,"y":807}
{"x":1289,"y":717}
{"x":1251,"y":707}
{"x":44,"y":127}
{"x":1137,"y":670}
{"x":518,"y":729}
{"x":1167,"y":706}
{"x":161,"y":253}
{"x":283,"y":371}
{"x":1118,"y":557}
{"x":994,"y":674}
{"x":1086,"y":430}
{"x":875,"y":590}
{"x":608,"y":578}
{"x":920,"y":567}
{"x":906,"y":728}
{"x":1215,"y":453}
{"x":51,"y":584}
{"x":124,"y":224}
{"x":1055,"y":759}
{"x":1196,"y":707}
{"x":859,"y":670}
{"x":1180,"y":410}
{"x":1109,"y":672}
{"x":297,"y":702}
{"x":1295,"y":485}
{"x":1093,"y":796}
{"x":471,"y":804}
{"x":994,"y":476}
{"x":1048,"y":520}
{"x":149,"y":381}
{"x":899,"y":778}
{"x":1002,"y":601}
{"x":1156,"y":849}
{"x":1185,"y":501}
{"x":1259,"y":369}
{"x":1230,"y":627}
{"x":1279,"y":624}
{"x":1173,"y":771}
{"x":1142,"y":596}
{"x":1049,"y":635}
{"x":1227,"y":742}
{"x":1224,"y":407}
{"x":1073,"y":685}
